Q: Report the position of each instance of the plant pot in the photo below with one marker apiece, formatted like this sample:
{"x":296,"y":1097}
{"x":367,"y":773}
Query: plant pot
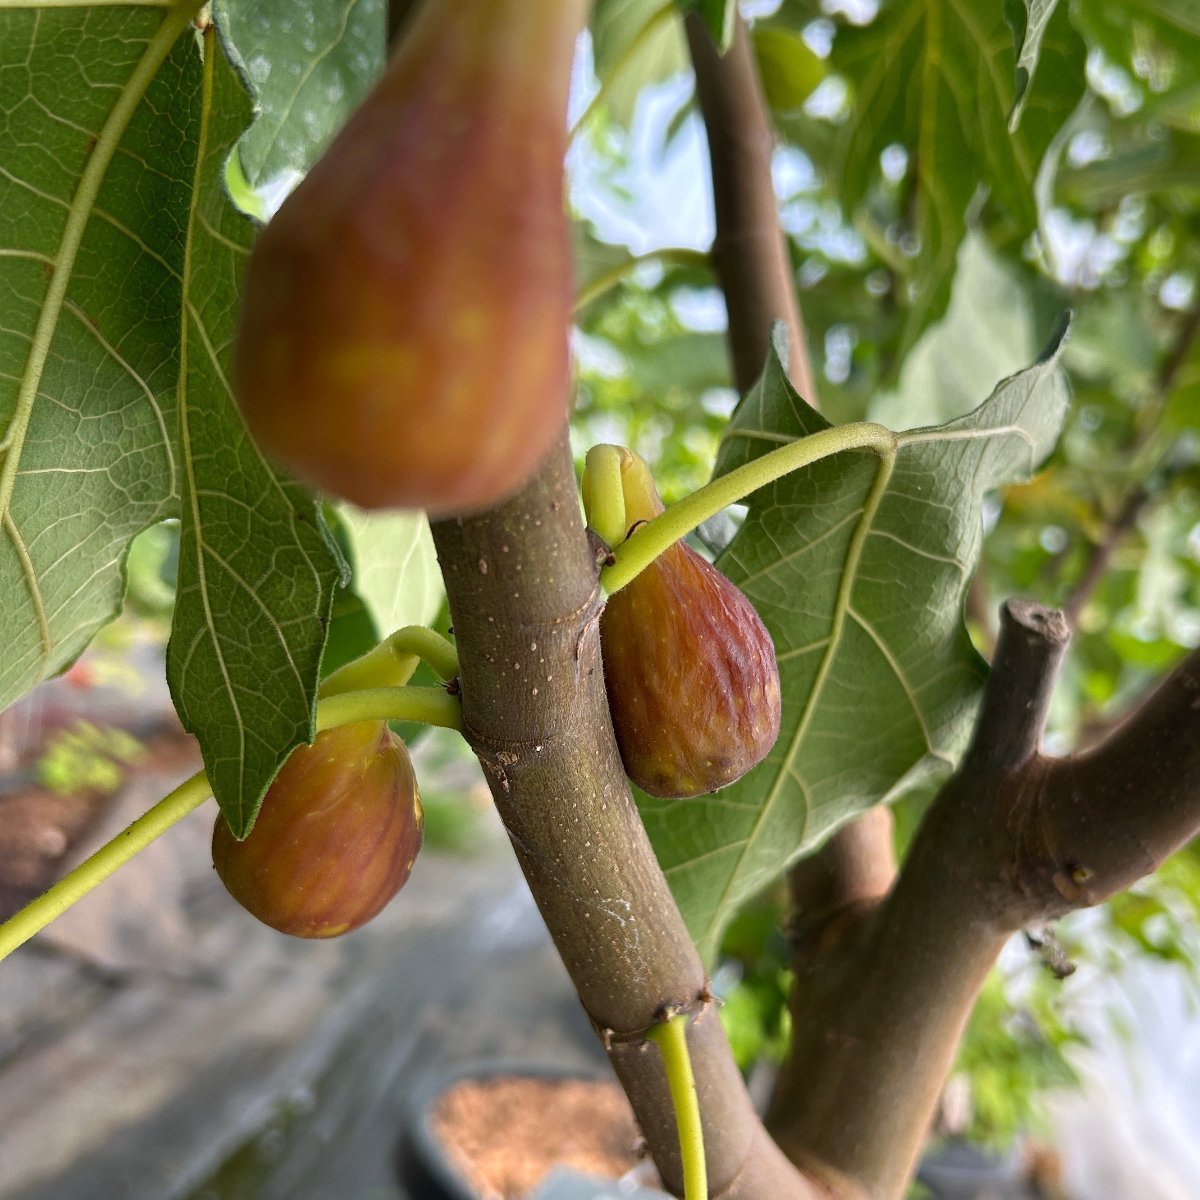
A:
{"x":550,"y":1130}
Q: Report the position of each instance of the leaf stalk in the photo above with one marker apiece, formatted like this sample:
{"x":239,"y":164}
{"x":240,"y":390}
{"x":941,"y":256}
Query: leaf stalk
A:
{"x":648,"y":541}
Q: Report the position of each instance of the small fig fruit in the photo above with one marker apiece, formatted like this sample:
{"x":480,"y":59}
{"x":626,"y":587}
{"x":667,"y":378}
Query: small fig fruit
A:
{"x":404,"y":331}
{"x":693,"y":685}
{"x":335,"y":838}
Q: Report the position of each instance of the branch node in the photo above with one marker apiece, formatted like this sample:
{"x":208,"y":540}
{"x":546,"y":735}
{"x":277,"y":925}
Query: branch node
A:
{"x":693,"y":1009}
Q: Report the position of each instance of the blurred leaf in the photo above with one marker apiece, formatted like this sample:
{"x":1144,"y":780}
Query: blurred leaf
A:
{"x":596,"y":264}
{"x":309,"y":66}
{"x":395,"y":568}
{"x":352,"y":632}
{"x":1183,"y":404}
{"x":873,"y":703}
{"x":635,"y":43}
{"x":938,"y":79}
{"x":989,"y":331}
{"x":1155,"y":38}
{"x":1028,"y":19}
{"x":150,"y":570}
{"x":1143,"y":161}
{"x":789,"y":69}
{"x":1114,"y":343}
{"x":1013,"y":1051}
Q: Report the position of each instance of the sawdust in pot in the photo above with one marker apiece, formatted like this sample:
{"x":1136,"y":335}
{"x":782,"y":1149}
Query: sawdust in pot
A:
{"x":505,"y":1134}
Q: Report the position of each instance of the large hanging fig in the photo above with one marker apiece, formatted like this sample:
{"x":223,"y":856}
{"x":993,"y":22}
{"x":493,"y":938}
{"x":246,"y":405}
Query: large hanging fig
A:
{"x":693,"y":685}
{"x":404,"y":331}
{"x":335,"y":839}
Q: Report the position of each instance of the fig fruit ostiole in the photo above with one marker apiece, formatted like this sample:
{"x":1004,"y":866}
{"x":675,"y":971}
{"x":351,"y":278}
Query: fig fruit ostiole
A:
{"x":404,"y":331}
{"x":336,"y":837}
{"x":690,"y":670}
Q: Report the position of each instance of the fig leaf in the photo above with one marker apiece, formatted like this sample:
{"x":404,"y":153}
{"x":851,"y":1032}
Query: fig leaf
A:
{"x":880,"y":681}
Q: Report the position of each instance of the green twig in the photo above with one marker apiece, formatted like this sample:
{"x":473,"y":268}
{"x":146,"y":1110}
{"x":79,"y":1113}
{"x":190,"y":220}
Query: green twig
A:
{"x":671,"y":1039}
{"x":648,"y":541}
{"x":679,"y":256}
{"x":434,"y":706}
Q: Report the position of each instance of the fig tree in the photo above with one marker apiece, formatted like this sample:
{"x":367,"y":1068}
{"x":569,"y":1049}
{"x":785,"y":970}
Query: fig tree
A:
{"x":404,"y":330}
{"x":693,"y":685}
{"x":335,"y":838}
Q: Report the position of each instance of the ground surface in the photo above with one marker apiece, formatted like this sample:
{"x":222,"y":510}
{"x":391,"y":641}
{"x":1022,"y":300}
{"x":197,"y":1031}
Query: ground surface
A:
{"x":157,"y":1043}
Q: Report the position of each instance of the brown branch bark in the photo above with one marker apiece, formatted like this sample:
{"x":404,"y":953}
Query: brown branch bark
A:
{"x":749,"y":250}
{"x":1013,"y":839}
{"x":522,"y":585}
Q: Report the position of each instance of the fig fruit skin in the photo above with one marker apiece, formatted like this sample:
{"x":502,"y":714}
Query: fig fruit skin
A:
{"x":335,"y":839}
{"x":404,"y":332}
{"x":690,"y":669}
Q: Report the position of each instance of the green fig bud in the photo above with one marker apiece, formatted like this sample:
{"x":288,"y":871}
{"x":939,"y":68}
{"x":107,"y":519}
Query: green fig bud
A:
{"x":336,"y":836}
{"x":404,"y":333}
{"x":693,"y":685}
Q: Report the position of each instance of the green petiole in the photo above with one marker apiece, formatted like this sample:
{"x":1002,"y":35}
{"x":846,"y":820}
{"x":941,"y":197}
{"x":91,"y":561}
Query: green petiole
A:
{"x":648,"y":541}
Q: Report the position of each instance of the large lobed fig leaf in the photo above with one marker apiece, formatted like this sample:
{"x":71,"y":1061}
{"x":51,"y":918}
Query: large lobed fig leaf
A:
{"x":120,"y":267}
{"x":863,"y":596}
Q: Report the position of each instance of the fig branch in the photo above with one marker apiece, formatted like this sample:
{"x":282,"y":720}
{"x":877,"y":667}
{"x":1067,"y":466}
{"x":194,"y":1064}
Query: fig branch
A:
{"x":536,"y":714}
{"x":749,"y":251}
{"x":430,"y":706}
{"x":1018,"y":839}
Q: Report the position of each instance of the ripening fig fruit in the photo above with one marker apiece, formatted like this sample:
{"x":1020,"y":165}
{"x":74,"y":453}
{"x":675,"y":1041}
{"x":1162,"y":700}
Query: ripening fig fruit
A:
{"x":335,"y":838}
{"x":403,"y":337}
{"x":693,"y":685}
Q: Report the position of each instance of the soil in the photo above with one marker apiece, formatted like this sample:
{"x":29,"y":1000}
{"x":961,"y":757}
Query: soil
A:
{"x":39,"y":828}
{"x":505,"y":1134}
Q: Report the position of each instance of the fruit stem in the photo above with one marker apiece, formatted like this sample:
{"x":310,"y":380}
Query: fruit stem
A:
{"x":648,"y":541}
{"x":671,"y":1039}
{"x":393,"y":661}
{"x":604,"y":494}
{"x":433,"y":706}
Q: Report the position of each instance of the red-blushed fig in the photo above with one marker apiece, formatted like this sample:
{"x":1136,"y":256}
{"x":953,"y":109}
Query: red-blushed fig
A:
{"x":693,"y":685}
{"x":336,"y":836}
{"x":404,"y":329}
